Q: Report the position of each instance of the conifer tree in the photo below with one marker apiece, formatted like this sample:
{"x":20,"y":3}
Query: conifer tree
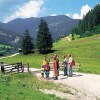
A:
{"x":44,"y":38}
{"x":27,"y":43}
{"x":89,"y":25}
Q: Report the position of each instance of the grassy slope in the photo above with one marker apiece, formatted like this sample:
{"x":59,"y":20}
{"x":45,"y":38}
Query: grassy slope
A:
{"x":24,"y":87}
{"x":84,"y":50}
{"x":1,"y":45}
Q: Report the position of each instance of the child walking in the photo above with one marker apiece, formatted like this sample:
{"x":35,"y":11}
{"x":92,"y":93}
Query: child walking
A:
{"x":42,"y":72}
{"x":44,"y":62}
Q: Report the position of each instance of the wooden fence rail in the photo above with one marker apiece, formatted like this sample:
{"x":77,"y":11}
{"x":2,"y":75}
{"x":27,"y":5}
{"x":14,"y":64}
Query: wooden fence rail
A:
{"x":76,"y":67}
{"x":15,"y":67}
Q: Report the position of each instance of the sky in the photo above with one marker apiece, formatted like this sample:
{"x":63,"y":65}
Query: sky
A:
{"x":12,"y":9}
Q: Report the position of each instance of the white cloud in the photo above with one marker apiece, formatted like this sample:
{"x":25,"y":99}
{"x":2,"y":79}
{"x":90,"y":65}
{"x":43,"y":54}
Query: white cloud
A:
{"x":31,"y":9}
{"x":84,"y":10}
{"x":53,"y":15}
{"x":68,"y":15}
{"x":76,"y":16}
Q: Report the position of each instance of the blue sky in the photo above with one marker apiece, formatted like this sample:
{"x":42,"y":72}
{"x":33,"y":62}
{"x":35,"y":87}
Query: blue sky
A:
{"x":12,"y":9}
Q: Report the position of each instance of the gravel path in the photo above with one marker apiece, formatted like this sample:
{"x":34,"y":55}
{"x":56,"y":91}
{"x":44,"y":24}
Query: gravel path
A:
{"x":68,"y":38}
{"x":87,"y":85}
{"x":10,"y":56}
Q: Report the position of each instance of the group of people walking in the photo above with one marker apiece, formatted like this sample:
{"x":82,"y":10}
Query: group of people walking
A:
{"x":67,"y":64}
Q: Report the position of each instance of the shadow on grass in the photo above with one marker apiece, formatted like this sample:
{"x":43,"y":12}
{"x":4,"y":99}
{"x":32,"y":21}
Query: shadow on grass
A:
{"x":48,"y":52}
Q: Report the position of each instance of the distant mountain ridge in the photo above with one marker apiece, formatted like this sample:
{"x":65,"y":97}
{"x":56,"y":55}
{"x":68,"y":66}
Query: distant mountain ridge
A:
{"x":58,"y":25}
{"x":8,"y":37}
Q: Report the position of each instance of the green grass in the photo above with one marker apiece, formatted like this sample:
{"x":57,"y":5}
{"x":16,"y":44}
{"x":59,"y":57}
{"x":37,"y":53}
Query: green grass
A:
{"x":6,"y":46}
{"x":84,"y":50}
{"x":24,"y":87}
{"x":5,"y":50}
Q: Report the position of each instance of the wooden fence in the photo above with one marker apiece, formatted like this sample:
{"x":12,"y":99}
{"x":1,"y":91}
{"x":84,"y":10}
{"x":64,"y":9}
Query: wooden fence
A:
{"x":76,"y":67}
{"x":15,"y":67}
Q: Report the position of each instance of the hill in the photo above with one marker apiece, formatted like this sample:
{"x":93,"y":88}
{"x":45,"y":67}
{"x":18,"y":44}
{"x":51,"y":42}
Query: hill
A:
{"x":58,"y":25}
{"x":90,"y":24}
{"x":84,"y":50}
{"x":8,"y":37}
{"x":6,"y":50}
{"x":27,"y":87}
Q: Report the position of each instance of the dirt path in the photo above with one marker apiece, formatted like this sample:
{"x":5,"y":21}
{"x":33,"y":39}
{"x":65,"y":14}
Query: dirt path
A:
{"x":68,"y":38}
{"x":87,"y":85}
{"x":10,"y":56}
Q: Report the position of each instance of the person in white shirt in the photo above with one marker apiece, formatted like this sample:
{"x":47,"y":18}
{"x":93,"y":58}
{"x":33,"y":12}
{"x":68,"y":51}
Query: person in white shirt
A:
{"x":70,"y":65}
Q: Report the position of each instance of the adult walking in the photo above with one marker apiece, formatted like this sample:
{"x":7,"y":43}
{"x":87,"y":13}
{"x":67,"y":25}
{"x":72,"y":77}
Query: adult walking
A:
{"x":65,"y":65}
{"x":57,"y":61}
{"x":70,"y":65}
{"x":55,"y":68}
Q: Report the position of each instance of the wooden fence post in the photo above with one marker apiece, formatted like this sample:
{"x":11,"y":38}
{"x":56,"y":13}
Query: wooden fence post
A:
{"x":28,"y":67}
{"x":18,"y":67}
{"x":22,"y":68}
{"x":2,"y":67}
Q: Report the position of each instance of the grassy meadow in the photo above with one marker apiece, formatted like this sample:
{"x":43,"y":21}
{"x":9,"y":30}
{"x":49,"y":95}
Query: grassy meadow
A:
{"x":25,"y":86}
{"x":5,"y":50}
{"x":84,"y":50}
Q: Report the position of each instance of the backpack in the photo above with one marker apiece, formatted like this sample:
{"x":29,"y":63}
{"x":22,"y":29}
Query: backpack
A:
{"x":73,"y":63}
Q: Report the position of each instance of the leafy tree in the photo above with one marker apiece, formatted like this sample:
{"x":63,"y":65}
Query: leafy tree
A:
{"x":27,"y":43}
{"x":44,"y":38}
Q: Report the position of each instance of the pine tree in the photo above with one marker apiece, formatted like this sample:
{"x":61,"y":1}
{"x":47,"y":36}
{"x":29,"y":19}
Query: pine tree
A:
{"x":44,"y":38}
{"x":90,"y":23}
{"x":27,"y":43}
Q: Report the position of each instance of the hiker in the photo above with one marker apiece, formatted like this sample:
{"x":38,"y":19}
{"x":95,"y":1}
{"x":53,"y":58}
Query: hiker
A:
{"x":57,"y":61}
{"x":64,"y":65}
{"x":70,"y":64}
{"x":42,"y":71}
{"x":55,"y":68}
{"x":47,"y":70}
{"x":44,"y":62}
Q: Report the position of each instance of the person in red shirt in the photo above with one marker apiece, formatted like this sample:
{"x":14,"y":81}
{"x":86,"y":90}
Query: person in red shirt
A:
{"x":47,"y":70}
{"x":55,"y":68}
{"x":57,"y":61}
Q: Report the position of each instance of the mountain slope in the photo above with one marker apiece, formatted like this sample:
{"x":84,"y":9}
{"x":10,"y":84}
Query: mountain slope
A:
{"x":8,"y":37}
{"x":57,"y":24}
{"x":84,"y":50}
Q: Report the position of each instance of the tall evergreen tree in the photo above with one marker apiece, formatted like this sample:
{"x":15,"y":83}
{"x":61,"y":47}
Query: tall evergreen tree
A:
{"x":96,"y":15}
{"x":44,"y":38}
{"x":27,"y":43}
{"x":90,"y":23}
